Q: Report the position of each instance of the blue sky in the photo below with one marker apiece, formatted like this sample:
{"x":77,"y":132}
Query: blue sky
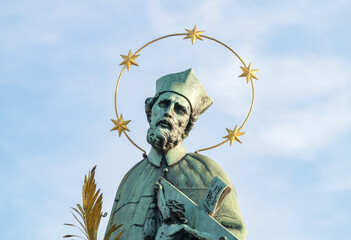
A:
{"x":58,"y":68}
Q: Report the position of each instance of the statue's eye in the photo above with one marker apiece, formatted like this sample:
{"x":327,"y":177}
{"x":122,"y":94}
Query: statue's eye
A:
{"x":180,"y":109}
{"x":163,"y":103}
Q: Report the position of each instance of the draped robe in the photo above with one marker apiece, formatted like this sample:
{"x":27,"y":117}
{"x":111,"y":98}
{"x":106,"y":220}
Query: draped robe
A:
{"x":135,"y":207}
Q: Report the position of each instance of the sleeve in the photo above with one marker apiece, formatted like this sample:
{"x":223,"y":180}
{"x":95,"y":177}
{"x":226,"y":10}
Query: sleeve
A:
{"x":230,"y":217}
{"x":228,"y":213}
{"x":115,"y":203}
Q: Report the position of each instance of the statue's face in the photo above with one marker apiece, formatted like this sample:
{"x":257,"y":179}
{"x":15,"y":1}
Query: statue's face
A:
{"x":170,"y":108}
{"x":169,"y":118}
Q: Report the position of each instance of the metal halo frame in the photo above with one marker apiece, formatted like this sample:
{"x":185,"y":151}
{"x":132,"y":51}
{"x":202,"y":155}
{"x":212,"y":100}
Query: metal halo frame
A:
{"x":129,"y":60}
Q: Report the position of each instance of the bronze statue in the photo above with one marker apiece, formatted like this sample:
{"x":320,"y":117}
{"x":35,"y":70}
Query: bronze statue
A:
{"x":179,"y":100}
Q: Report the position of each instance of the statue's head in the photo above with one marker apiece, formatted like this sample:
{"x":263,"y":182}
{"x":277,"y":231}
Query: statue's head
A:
{"x":180,"y":99}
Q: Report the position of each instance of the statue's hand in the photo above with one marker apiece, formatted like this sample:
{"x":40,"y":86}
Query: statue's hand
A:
{"x":179,"y":231}
{"x":166,"y":232}
{"x":158,"y":186}
{"x":150,"y":227}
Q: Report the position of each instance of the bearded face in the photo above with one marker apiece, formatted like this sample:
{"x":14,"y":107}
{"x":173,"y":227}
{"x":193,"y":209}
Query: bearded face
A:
{"x":169,"y":118}
{"x":165,"y":135}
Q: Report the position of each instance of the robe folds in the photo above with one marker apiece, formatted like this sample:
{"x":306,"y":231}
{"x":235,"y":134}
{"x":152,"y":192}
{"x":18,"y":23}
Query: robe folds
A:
{"x":134,"y":204}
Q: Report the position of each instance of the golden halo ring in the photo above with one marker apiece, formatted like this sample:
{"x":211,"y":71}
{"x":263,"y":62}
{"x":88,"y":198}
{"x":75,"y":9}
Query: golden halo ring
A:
{"x":129,"y":60}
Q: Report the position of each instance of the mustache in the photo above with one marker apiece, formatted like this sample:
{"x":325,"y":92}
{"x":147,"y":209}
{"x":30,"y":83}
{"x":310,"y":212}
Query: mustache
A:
{"x":161,"y":138}
{"x":164,"y":135}
{"x":166,"y":123}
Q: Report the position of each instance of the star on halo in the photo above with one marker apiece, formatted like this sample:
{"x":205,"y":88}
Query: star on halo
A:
{"x":194,"y":34}
{"x":120,"y":125}
{"x":129,"y":60}
{"x":249,"y":73}
{"x":234,"y":135}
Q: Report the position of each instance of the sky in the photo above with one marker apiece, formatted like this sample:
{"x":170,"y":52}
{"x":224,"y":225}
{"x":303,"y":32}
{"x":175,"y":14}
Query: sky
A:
{"x":59,"y":63}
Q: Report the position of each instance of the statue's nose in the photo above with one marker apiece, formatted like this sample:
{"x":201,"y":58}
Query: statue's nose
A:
{"x":169,"y":111}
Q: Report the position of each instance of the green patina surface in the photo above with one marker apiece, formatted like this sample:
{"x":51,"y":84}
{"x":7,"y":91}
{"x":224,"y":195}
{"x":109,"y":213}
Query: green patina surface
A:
{"x":191,"y":175}
{"x":180,"y":99}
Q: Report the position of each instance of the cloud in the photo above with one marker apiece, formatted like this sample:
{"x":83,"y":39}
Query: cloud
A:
{"x":335,"y":173}
{"x":55,"y":125}
{"x":300,"y":102}
{"x":306,"y":106}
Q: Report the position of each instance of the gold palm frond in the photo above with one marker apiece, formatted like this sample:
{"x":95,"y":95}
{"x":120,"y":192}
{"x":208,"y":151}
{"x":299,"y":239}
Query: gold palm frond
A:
{"x":111,"y":230}
{"x":90,"y":213}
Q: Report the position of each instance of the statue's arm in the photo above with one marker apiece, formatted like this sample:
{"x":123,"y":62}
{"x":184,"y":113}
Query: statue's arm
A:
{"x":229,"y":213}
{"x":229,"y":216}
{"x":111,"y":221}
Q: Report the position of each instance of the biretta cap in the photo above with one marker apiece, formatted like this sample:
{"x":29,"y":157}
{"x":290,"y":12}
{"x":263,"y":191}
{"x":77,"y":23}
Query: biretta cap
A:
{"x":187,"y":85}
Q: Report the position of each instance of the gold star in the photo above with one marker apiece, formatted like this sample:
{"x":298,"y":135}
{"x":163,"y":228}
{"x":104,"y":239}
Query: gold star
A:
{"x":193,"y":35}
{"x":120,"y":125}
{"x":129,"y":60}
{"x":249,"y":73}
{"x":234,"y":135}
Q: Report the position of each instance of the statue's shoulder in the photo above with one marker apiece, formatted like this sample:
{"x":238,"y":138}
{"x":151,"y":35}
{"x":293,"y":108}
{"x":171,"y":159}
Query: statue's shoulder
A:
{"x":229,"y":214}
{"x":212,"y":166}
{"x":207,"y":162}
{"x":134,"y":170}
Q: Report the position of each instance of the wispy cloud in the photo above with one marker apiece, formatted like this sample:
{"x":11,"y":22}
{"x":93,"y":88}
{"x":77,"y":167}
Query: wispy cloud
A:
{"x":58,"y":67}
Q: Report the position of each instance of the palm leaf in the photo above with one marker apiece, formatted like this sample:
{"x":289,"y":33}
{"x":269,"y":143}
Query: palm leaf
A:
{"x":72,"y":225}
{"x":80,"y":224}
{"x":111,"y":230}
{"x":68,"y":236}
{"x":80,"y":214}
{"x":81,"y":210}
{"x":119,"y":235}
{"x":90,"y":210}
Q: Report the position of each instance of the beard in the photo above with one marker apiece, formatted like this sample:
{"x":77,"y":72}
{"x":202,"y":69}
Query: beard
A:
{"x":164,"y":138}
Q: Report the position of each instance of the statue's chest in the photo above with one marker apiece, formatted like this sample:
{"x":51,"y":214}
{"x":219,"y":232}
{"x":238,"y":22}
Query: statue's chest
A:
{"x":136,"y":201}
{"x":187,"y":177}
